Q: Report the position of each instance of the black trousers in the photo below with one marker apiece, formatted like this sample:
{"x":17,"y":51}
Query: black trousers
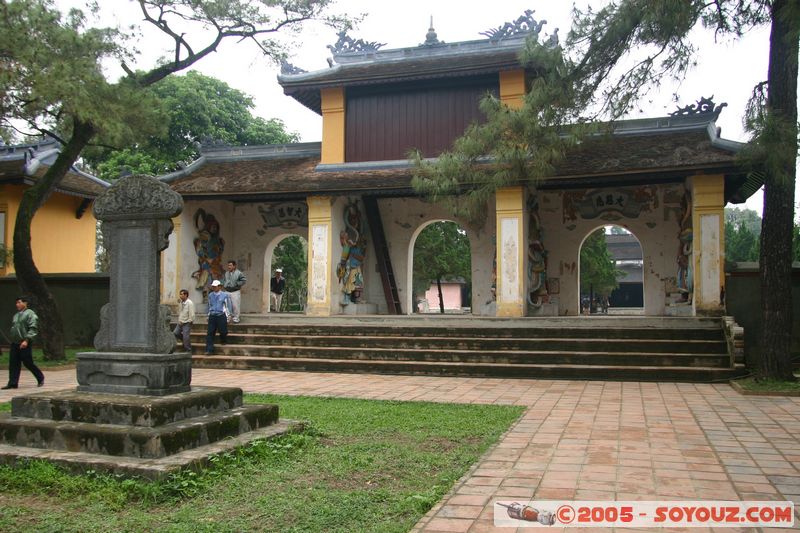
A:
{"x":216,"y":323}
{"x":18,"y":357}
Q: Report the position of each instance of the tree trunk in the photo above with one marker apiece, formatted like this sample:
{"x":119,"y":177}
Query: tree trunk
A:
{"x":441,"y":298}
{"x":31,"y":283}
{"x":776,"y":227}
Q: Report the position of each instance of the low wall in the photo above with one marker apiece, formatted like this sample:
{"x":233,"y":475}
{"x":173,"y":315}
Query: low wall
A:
{"x":79,"y":297}
{"x":743,"y":302}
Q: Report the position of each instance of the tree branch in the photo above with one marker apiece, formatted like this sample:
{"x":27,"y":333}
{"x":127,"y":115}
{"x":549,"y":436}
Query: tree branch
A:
{"x":235,"y":27}
{"x":163,"y":26}
{"x":127,"y":70}
{"x":54,"y":135}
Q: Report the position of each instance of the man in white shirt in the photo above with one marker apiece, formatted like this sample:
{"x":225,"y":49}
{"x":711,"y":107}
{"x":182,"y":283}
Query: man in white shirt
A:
{"x":185,"y":320}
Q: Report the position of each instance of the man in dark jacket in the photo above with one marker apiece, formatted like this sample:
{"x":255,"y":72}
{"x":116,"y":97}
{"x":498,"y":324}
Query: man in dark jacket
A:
{"x":276,"y":287}
{"x":24,"y":327}
{"x":232,"y":282}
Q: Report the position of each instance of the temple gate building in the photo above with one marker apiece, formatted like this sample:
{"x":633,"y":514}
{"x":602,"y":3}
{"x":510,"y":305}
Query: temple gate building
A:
{"x":665,"y":179}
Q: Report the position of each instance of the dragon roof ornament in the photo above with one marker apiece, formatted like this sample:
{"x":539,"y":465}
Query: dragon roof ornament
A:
{"x":347,"y":45}
{"x":288,"y":68}
{"x":525,"y":24}
{"x":704,"y":106}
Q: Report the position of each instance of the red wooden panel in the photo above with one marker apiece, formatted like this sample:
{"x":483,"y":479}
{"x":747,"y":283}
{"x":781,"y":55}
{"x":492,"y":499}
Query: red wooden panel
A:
{"x":384,"y":123}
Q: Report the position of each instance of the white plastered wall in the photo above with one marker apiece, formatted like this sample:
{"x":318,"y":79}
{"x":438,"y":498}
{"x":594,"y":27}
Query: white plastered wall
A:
{"x":254,"y":245}
{"x":403,"y":219}
{"x":180,"y":258}
{"x":656,"y":227}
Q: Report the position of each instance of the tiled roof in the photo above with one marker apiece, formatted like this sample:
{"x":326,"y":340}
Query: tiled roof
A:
{"x":285,"y":177}
{"x":658,"y":149}
{"x":468,"y":58}
{"x":624,"y":247}
{"x":26,"y":163}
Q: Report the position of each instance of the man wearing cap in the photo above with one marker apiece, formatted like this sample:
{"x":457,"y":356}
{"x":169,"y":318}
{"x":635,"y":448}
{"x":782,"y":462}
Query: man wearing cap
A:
{"x":218,"y":302}
{"x":276,"y":287}
{"x":232,"y":282}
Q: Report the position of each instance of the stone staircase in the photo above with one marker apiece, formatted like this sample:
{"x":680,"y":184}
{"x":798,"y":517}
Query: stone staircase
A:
{"x":603,"y":348}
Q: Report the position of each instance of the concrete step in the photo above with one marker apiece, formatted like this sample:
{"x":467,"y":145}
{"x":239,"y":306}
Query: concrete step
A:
{"x":512,"y":357}
{"x":543,"y":371}
{"x":701,"y":346}
{"x":607,"y":347}
{"x":707,"y":331}
{"x":134,"y":441}
{"x":125,"y":409}
{"x":471,"y":321}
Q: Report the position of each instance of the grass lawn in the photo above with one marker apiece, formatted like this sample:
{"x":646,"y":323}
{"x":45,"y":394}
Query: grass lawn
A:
{"x":360,"y":466}
{"x":768,"y":385}
{"x":40,"y":361}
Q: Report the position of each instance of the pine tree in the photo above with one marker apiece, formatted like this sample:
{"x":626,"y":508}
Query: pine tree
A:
{"x":53,"y":77}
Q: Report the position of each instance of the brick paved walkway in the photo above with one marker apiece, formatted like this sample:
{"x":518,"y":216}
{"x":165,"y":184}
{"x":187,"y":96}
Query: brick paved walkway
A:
{"x":578,"y":439}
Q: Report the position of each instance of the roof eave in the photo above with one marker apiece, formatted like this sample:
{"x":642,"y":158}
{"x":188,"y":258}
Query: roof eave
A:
{"x":439,"y":53}
{"x":230,"y":154}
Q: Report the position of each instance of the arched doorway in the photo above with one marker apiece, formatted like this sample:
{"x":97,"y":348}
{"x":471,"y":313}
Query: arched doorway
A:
{"x":611,"y":261}
{"x":289,"y":253}
{"x":440,"y":269}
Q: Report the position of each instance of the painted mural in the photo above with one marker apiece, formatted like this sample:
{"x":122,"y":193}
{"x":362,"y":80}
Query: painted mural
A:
{"x":684,"y":256}
{"x":537,"y":257}
{"x":354,"y":246}
{"x":209,"y":247}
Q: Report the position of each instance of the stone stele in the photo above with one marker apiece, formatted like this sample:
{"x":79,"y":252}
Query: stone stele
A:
{"x":134,"y":412}
{"x":134,"y":343}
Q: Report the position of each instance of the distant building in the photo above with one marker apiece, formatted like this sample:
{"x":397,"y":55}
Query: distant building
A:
{"x":63,"y":232}
{"x":453,"y":297}
{"x":627,"y":255}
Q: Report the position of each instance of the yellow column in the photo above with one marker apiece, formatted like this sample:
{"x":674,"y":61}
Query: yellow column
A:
{"x":512,"y":87}
{"x":708,"y":244}
{"x":510,"y":204}
{"x":320,"y":254}
{"x":333,"y":107}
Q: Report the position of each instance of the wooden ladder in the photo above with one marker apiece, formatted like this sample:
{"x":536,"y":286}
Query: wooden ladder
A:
{"x":382,"y":255}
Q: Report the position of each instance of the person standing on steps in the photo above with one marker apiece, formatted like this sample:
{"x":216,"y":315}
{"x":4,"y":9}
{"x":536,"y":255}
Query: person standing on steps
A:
{"x":232,"y":282}
{"x":24,"y":327}
{"x":218,"y":302}
{"x":276,"y":287}
{"x":185,"y":319}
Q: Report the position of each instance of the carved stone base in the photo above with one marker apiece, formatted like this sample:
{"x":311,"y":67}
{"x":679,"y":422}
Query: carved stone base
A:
{"x":134,"y":373}
{"x":132,"y":434}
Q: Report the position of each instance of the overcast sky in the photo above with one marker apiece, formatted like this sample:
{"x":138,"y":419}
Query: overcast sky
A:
{"x":727,"y":69}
